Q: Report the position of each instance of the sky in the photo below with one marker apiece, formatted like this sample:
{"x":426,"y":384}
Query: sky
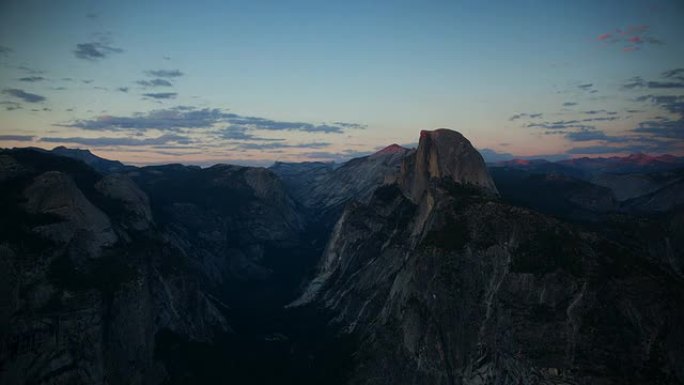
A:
{"x":253,"y":82}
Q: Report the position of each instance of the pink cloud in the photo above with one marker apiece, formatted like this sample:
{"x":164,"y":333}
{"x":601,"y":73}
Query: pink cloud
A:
{"x":632,"y":37}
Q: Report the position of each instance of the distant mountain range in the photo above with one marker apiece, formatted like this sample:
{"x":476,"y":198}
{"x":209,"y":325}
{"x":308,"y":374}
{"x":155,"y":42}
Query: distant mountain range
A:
{"x":406,"y":266}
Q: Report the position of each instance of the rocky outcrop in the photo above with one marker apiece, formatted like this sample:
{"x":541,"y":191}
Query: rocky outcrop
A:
{"x":55,"y":194}
{"x":138,"y":214}
{"x":445,"y":154}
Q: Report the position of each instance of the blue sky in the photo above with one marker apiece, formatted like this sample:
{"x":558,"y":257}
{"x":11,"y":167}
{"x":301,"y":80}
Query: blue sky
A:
{"x":252,"y":82}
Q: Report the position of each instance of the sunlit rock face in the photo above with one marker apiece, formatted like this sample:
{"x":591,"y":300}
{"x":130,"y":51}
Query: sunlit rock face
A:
{"x":441,"y":154}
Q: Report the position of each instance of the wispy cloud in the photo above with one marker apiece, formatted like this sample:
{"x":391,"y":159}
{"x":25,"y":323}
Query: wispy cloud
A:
{"x":161,"y":95}
{"x":186,"y":117}
{"x":241,"y":133}
{"x":17,"y":138}
{"x":592,"y":135}
{"x":10,"y":106}
{"x":31,"y":79}
{"x":586,"y":86}
{"x":4,"y":51}
{"x":560,"y":125}
{"x":95,"y":50}
{"x":280,"y":145}
{"x":569,"y":104}
{"x":23,"y":95}
{"x":155,"y":83}
{"x":525,"y":115}
{"x":663,"y":128}
{"x":631,"y":38}
{"x":677,"y":73}
{"x":127,"y":141}
{"x":165,"y":73}
{"x":638,"y":82}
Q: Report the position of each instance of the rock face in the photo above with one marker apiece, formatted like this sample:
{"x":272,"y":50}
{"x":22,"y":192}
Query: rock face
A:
{"x":444,"y":154}
{"x":328,"y":187}
{"x":446,"y":284}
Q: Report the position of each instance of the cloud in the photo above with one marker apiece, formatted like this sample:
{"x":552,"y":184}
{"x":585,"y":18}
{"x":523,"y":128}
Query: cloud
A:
{"x":677,"y":73}
{"x":662,"y":128}
{"x":631,"y":38}
{"x":274,"y":125}
{"x":592,"y":135}
{"x":164,"y":73}
{"x":279,"y":145}
{"x":17,"y":138}
{"x":127,"y":141}
{"x":122,"y":89}
{"x":594,"y":112}
{"x":356,"y":126}
{"x":561,"y":125}
{"x":95,"y":50}
{"x":186,"y":117}
{"x":601,"y":119}
{"x":240,"y":133}
{"x":165,"y":119}
{"x":665,"y":85}
{"x":524,"y":115}
{"x":31,"y":79}
{"x":155,"y":83}
{"x":10,"y":106}
{"x":635,"y":82}
{"x":671,"y":103}
{"x":569,"y":104}
{"x":585,"y":87}
{"x":638,"y":82}
{"x":23,"y":95}
{"x":161,"y":95}
{"x":4,"y":50}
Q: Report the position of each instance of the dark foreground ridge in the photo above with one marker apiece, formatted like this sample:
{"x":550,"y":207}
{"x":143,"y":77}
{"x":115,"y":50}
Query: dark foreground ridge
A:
{"x":406,"y":266}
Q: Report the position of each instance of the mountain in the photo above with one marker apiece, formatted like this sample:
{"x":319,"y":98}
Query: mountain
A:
{"x":325,"y":187}
{"x":584,"y":188}
{"x":88,"y":279}
{"x":406,"y":266}
{"x":446,"y":284}
{"x":102,"y":165}
{"x":630,"y":163}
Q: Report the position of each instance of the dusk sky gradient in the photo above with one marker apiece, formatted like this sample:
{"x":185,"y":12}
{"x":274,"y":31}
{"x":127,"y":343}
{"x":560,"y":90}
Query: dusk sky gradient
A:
{"x":252,"y":82}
